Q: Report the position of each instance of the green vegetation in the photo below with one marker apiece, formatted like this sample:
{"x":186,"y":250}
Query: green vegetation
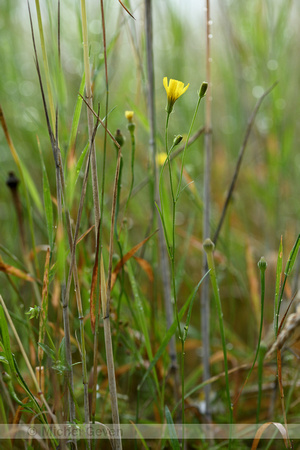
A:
{"x":131,"y":134}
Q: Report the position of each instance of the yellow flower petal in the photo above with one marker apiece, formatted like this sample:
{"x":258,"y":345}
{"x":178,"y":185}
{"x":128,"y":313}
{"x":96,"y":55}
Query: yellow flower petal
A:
{"x":174,"y":90}
{"x":160,"y":158}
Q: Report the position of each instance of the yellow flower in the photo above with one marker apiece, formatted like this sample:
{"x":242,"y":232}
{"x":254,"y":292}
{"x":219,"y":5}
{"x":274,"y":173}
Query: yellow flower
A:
{"x":129,"y":115}
{"x":174,"y":90}
{"x":160,"y":158}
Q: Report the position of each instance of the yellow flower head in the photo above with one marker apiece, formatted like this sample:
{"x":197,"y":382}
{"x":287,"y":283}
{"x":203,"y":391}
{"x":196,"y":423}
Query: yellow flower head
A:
{"x":160,"y":158}
{"x":129,"y":115}
{"x":174,"y":90}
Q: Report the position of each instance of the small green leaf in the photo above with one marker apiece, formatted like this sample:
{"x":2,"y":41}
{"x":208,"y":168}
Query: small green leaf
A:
{"x":34,"y":312}
{"x":48,"y":350}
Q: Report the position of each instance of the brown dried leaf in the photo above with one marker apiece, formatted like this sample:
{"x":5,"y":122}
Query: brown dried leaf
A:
{"x":20,"y":409}
{"x":263,"y":427}
{"x":11,"y":270}
{"x":126,"y":257}
{"x":146,"y":267}
{"x":253,"y":281}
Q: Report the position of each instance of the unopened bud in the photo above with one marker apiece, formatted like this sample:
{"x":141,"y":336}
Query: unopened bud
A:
{"x":203,"y":89}
{"x":262,"y":264}
{"x":208,"y":245}
{"x":177,"y":139}
{"x":119,"y":138}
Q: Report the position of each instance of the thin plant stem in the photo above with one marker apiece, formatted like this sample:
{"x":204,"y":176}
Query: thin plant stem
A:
{"x":205,"y":303}
{"x":131,"y":128}
{"x":172,"y":256}
{"x":261,"y":356}
{"x":174,"y":202}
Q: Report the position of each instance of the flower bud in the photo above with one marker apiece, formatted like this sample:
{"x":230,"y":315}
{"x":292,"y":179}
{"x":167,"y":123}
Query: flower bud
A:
{"x":262,"y":264}
{"x":177,"y":139}
{"x":203,"y":89}
{"x":119,"y":138}
{"x":129,"y":115}
{"x":208,"y":245}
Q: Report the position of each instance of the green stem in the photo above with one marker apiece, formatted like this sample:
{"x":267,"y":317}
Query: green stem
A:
{"x":131,"y":130}
{"x":172,"y":255}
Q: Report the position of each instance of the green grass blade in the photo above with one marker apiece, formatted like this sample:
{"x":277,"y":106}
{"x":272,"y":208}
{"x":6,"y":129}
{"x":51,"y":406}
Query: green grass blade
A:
{"x":292,"y":257}
{"x":76,"y":116}
{"x":80,"y":161}
{"x":47,"y":203}
{"x":278,"y":282}
{"x":189,"y":314}
{"x":6,"y":340}
{"x":171,"y":428}
{"x":31,"y":188}
{"x":288,"y":269}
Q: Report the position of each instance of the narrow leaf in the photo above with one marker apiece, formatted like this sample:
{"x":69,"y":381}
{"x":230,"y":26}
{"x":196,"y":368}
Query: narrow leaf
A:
{"x":103,"y":288}
{"x":11,"y":270}
{"x":31,"y":188}
{"x":189,"y":314}
{"x":93,"y":312}
{"x":171,"y":428}
{"x":292,"y":257}
{"x":80,"y":161}
{"x":263,"y":427}
{"x":6,"y":340}
{"x":76,"y":116}
{"x":145,"y":266}
{"x":278,"y":281}
{"x":47,"y":201}
{"x":126,"y":258}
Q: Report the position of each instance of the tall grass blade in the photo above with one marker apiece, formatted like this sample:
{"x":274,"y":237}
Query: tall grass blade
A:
{"x":171,"y":428}
{"x":47,"y":203}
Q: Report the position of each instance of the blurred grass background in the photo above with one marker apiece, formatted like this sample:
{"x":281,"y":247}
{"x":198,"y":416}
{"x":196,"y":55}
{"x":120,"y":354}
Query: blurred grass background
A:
{"x":253,"y":44}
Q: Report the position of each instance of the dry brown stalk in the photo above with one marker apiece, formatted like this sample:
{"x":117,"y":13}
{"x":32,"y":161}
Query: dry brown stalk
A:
{"x":289,"y":333}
